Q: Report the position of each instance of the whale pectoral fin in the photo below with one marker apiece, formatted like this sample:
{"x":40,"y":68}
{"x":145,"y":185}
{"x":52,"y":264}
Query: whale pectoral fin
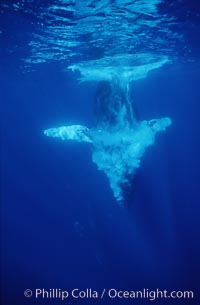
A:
{"x":77,"y":133}
{"x":159,"y":124}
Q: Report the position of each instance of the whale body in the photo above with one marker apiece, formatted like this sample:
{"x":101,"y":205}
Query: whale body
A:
{"x":119,"y":140}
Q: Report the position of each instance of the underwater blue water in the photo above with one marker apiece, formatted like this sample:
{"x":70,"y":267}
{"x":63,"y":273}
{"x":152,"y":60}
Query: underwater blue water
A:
{"x":61,"y":226}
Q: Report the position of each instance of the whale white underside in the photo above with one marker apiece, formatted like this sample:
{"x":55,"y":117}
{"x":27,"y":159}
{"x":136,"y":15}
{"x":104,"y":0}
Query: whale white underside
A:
{"x":117,"y":153}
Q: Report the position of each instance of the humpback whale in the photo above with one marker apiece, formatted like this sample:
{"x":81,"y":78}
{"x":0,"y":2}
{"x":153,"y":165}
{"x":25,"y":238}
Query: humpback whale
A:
{"x":118,"y":140}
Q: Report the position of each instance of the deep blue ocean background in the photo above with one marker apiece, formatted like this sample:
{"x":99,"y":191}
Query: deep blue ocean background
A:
{"x":61,"y":226}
